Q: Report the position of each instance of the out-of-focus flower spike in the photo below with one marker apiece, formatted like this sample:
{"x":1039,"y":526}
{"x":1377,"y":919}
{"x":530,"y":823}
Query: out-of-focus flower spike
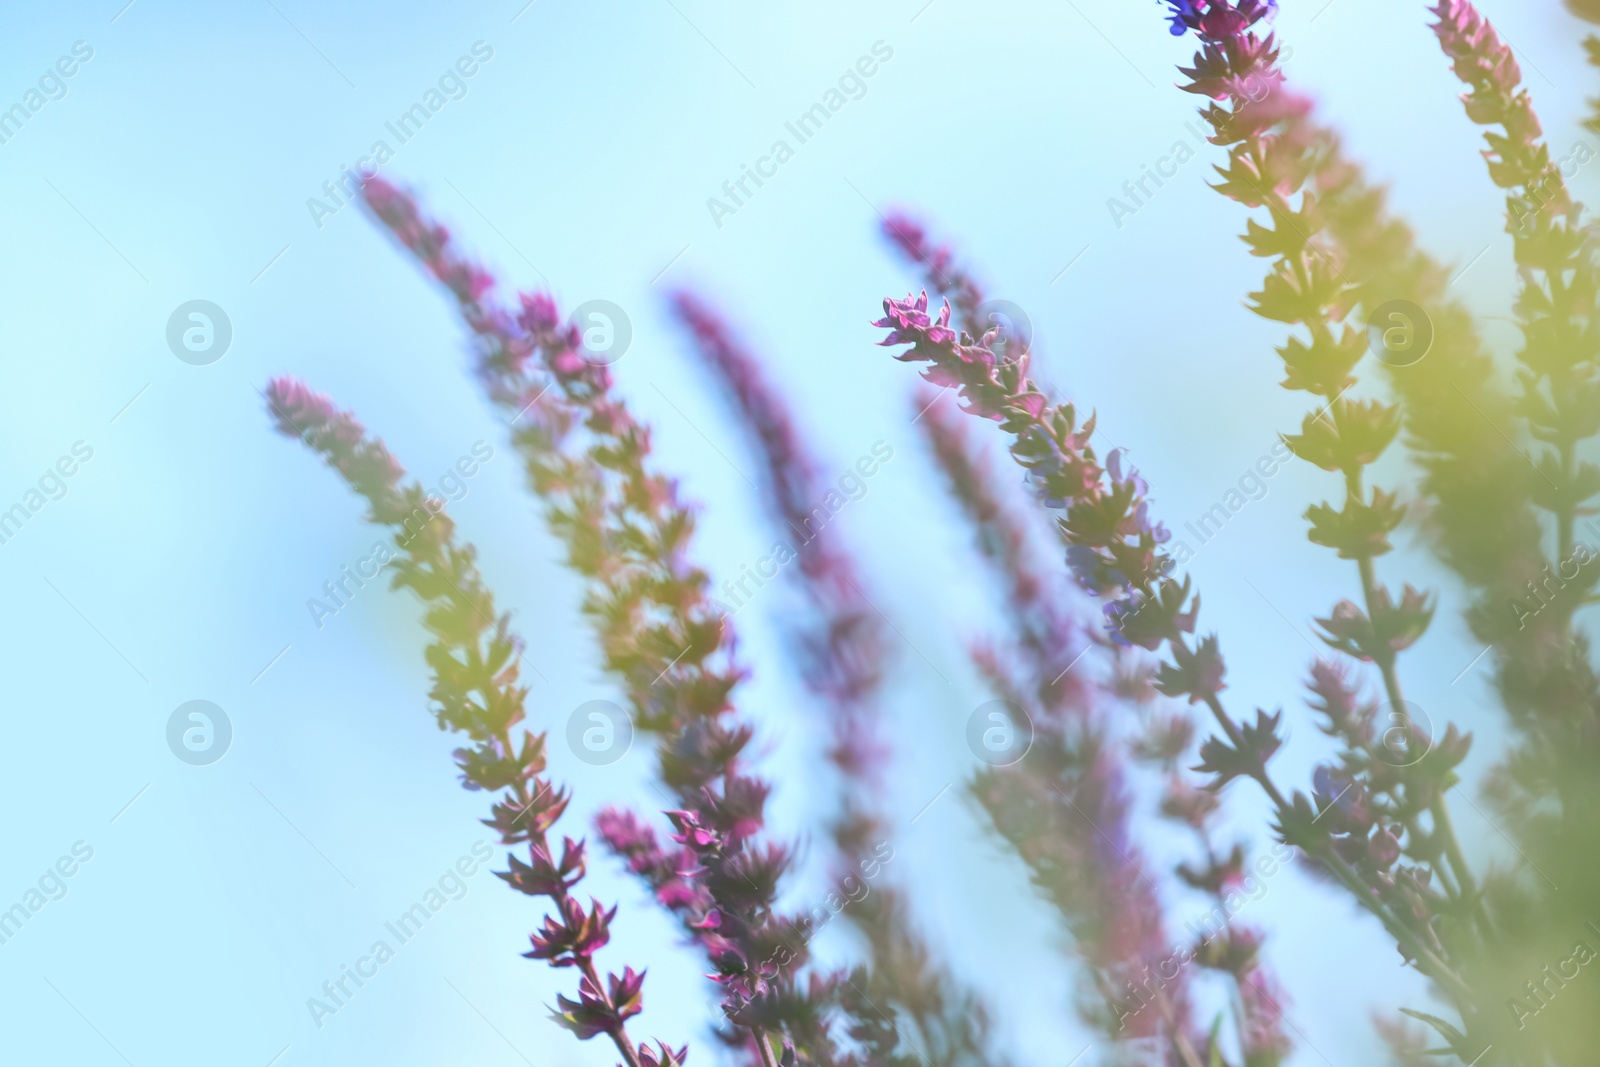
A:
{"x":841,"y":646}
{"x":1275,"y":156}
{"x":1065,"y":808}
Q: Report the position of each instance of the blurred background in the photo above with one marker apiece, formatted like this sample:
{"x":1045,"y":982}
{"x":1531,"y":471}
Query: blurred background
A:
{"x":177,"y":163}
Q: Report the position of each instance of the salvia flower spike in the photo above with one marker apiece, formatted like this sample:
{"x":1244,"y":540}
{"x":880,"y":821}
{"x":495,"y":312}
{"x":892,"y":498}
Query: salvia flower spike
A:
{"x":476,"y":692}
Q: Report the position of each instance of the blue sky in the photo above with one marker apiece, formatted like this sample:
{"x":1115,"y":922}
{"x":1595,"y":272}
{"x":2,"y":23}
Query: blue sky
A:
{"x":580,"y":155}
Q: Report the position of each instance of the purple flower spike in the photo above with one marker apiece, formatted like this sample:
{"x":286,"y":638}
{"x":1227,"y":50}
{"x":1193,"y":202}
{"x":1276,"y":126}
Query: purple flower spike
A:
{"x":1217,"y":20}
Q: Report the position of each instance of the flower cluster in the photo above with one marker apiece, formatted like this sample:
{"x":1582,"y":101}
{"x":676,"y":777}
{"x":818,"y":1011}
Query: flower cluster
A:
{"x":1218,"y":19}
{"x":843,"y":662}
{"x":1275,"y":155}
{"x":941,"y":271}
{"x":1546,"y":681}
{"x":1105,"y":513}
{"x":1111,"y":906}
{"x":1559,"y":305}
{"x":1224,"y":942}
{"x":841,"y":647}
{"x":1374,"y":797}
{"x":475,"y":659}
{"x":1065,"y":809}
{"x":628,"y":533}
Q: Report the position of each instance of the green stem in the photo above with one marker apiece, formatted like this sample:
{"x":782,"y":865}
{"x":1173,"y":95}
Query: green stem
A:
{"x":1436,"y":968}
{"x":619,"y":1037}
{"x":1443,"y":828}
{"x":1565,"y":518}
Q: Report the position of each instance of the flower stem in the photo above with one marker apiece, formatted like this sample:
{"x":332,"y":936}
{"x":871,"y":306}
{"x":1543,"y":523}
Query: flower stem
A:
{"x":763,"y":1048}
{"x":1443,"y":827}
{"x":586,"y":966}
{"x":1565,"y":515}
{"x":1351,"y":880}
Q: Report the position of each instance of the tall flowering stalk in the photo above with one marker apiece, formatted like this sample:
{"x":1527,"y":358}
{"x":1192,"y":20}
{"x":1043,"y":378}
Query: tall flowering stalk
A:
{"x":1560,"y":319}
{"x":1046,"y":635}
{"x":842,"y":649}
{"x":475,"y":657}
{"x":1546,"y":784}
{"x":628,"y":533}
{"x":1223,"y":942}
{"x":1477,"y":487}
{"x":1084,"y":862}
{"x":844,"y":656}
{"x":1272,"y":159}
{"x":1479,"y":490}
{"x":1066,"y":809}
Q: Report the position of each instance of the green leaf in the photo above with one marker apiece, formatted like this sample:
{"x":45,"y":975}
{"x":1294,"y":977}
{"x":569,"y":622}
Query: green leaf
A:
{"x":1457,"y":1039}
{"x":1215,"y":1059}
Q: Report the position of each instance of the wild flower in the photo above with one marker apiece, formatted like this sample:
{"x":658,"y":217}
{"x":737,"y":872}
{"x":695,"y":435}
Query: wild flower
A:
{"x":841,"y":646}
{"x":1308,"y":288}
{"x":475,"y":658}
{"x":1274,"y":153}
{"x":1546,"y":680}
{"x":1110,"y":904}
{"x":1557,"y":311}
{"x":1065,"y":808}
